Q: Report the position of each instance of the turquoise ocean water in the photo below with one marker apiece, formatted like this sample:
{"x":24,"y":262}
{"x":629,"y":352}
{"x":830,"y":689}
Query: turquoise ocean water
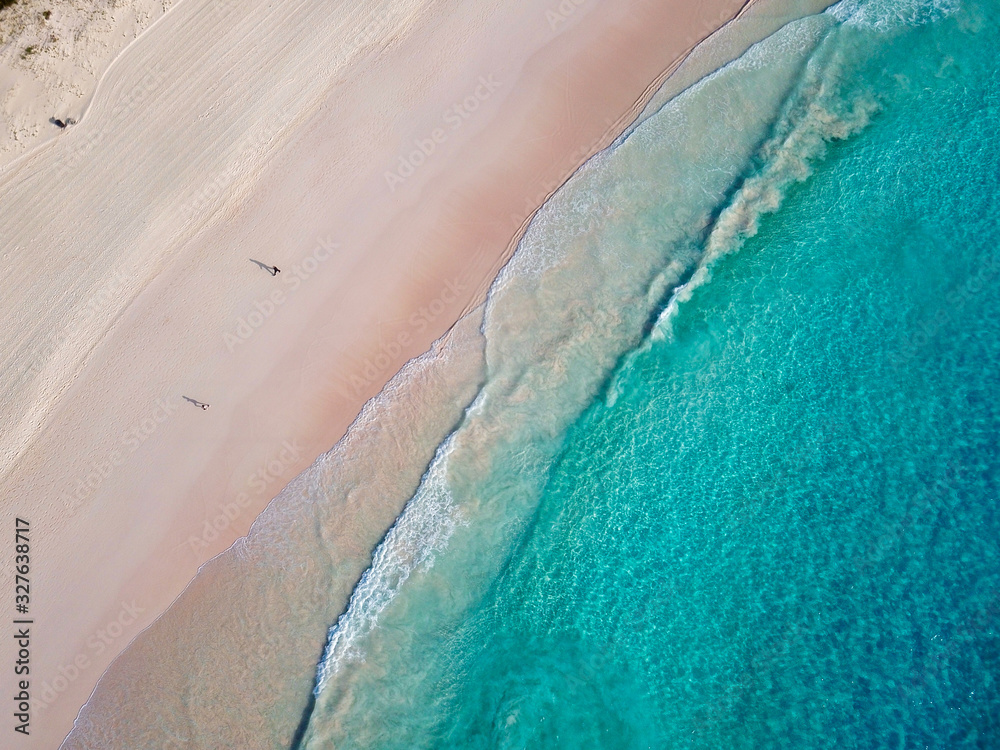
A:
{"x":733,"y":478}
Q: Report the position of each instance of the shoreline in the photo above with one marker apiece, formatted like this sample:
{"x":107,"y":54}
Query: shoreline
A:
{"x":251,"y":451}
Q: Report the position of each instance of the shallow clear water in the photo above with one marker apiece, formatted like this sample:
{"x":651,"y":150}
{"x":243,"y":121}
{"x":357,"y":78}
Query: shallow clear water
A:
{"x":758,"y":509}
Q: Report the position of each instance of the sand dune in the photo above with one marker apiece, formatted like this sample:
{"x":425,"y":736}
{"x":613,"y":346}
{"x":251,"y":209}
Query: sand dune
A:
{"x":52,"y":56}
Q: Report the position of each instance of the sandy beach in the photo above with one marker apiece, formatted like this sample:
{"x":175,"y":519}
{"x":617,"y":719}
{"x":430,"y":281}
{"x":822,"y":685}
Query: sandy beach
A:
{"x":386,"y":158}
{"x":52,"y":58}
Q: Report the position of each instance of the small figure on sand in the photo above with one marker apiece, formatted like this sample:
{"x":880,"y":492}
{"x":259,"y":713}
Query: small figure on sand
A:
{"x":273,"y":270}
{"x":200,"y":404}
{"x":61,"y":124}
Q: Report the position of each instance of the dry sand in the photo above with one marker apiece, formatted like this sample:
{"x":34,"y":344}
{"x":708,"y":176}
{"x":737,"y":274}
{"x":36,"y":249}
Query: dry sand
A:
{"x":385,"y":157}
{"x":52,"y":54}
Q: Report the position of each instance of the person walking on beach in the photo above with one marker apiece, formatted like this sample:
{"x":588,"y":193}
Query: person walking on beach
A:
{"x":200,"y":404}
{"x":274,"y":270}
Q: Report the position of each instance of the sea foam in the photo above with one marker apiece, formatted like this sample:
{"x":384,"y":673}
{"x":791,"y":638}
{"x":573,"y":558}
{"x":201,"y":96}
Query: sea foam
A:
{"x":891,"y":15}
{"x":547,"y":353}
{"x":423,"y":528}
{"x":641,"y":226}
{"x":559,"y":316}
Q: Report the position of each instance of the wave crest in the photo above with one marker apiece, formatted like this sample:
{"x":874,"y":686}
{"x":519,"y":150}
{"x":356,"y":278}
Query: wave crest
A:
{"x":816,"y":116}
{"x":423,"y":528}
{"x":889,"y":15}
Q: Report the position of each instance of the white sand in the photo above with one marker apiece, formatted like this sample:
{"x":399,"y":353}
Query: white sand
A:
{"x":49,"y":67}
{"x":384,"y":156}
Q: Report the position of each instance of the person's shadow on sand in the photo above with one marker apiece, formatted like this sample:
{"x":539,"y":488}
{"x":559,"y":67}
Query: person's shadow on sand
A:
{"x":273,"y":270}
{"x":200,"y":404}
